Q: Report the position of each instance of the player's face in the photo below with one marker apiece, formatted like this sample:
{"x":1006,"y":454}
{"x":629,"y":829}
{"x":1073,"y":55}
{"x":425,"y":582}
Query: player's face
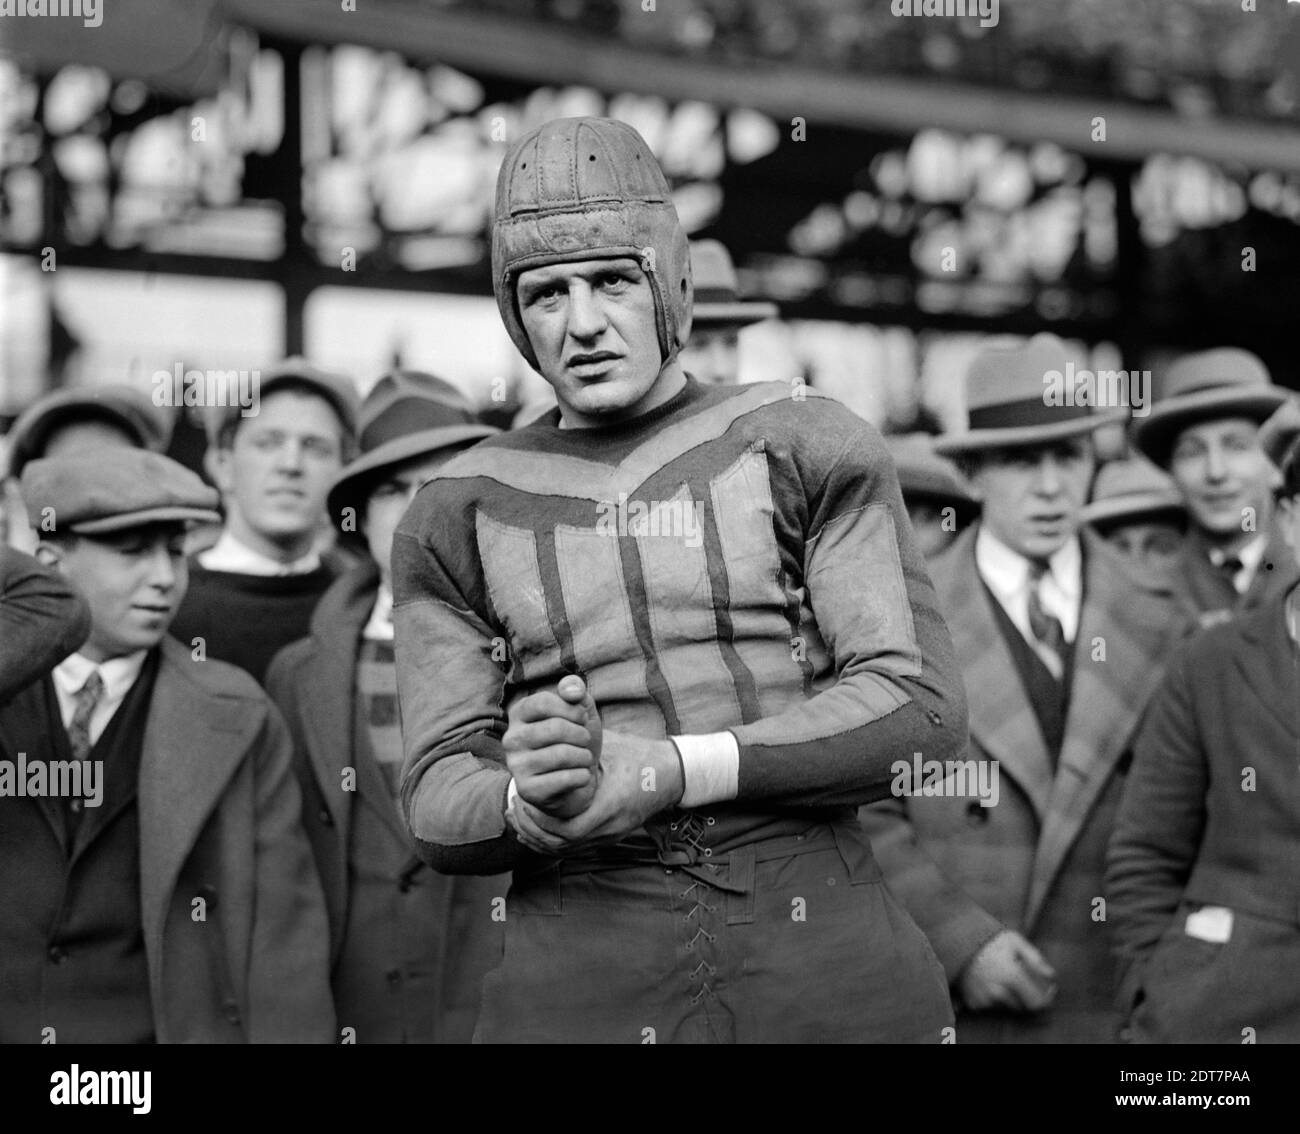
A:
{"x":1033,"y":494}
{"x":1223,"y":475}
{"x":592,"y":326}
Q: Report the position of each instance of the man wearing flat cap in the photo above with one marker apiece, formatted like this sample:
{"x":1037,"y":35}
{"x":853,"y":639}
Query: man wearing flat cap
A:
{"x":1203,"y":872}
{"x":1203,"y":430}
{"x":154,"y":877}
{"x":409,"y":947}
{"x":75,"y":421}
{"x":712,"y":355}
{"x":655,"y":647}
{"x":254,"y":590}
{"x":1061,"y":642}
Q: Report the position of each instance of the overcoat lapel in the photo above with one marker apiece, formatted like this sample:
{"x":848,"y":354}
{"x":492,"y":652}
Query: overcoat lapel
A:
{"x":1002,"y":720}
{"x":193,"y":743}
{"x":325,"y":689}
{"x":1125,"y":629}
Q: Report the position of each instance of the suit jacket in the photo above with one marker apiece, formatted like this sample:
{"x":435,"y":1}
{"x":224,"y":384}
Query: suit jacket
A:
{"x":313,"y":680}
{"x":219,"y":815}
{"x":1211,"y":817}
{"x":42,"y":620}
{"x":1212,"y":598}
{"x":1034,"y":861}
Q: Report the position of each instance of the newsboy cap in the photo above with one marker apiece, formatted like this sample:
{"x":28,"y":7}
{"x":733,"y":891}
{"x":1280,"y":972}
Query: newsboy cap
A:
{"x":121,"y":405}
{"x":112,"y":490}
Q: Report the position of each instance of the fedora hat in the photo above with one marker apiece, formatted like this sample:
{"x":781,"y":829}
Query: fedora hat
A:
{"x":124,"y":406}
{"x":717,"y":291}
{"x":406,"y":414}
{"x":1008,"y":383}
{"x":1131,"y":489}
{"x":1225,"y":382}
{"x":923,"y":474}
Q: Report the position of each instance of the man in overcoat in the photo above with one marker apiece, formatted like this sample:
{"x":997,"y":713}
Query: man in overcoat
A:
{"x":1203,"y":875}
{"x":155,"y":881}
{"x":408,"y":946}
{"x":1204,"y":431}
{"x":1060,"y":642}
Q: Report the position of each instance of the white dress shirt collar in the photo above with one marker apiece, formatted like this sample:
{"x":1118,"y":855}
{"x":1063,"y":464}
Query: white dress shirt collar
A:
{"x":1251,"y":556}
{"x":1007,"y":574}
{"x":118,"y":675}
{"x":229,"y":554}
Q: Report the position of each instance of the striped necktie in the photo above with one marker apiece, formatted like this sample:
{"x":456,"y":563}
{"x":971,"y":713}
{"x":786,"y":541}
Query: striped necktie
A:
{"x":87,"y":698}
{"x":1044,"y":626}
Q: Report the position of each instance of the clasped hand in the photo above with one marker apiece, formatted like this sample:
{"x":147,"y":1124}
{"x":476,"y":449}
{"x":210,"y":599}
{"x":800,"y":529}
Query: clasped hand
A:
{"x":577,"y":783}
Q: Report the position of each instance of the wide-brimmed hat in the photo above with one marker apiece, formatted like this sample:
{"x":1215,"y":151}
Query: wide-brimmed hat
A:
{"x":112,"y":490}
{"x":1226,"y":382}
{"x":923,"y":474}
{"x":1132,"y":489}
{"x":1015,"y":396}
{"x":337,"y":390}
{"x":717,"y":291}
{"x":124,"y":406}
{"x":1279,"y":437}
{"x":406,"y":414}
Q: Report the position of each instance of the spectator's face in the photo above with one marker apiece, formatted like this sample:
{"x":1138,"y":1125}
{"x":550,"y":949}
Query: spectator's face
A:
{"x":277,"y":472}
{"x":1149,"y":543}
{"x":133,"y":580}
{"x":592,"y":327}
{"x":934,"y":531}
{"x":1223,"y":474}
{"x":388,"y":501}
{"x":1033,"y":493}
{"x":713,"y":355}
{"x":76,"y":437}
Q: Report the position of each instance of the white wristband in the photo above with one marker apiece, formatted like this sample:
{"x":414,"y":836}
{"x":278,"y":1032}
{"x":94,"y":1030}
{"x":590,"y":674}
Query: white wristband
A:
{"x":710,"y":768}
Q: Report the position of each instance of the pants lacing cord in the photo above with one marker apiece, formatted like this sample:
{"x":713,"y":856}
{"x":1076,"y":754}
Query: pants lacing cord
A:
{"x":691,"y":829}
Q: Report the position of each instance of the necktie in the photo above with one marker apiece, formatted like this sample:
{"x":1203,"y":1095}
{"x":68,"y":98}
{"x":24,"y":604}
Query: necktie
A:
{"x":86,"y":699}
{"x":1045,"y":627}
{"x":1228,"y":571}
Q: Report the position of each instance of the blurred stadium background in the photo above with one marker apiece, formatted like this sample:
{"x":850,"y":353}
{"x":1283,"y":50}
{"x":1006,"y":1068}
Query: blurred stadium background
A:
{"x":218,"y":183}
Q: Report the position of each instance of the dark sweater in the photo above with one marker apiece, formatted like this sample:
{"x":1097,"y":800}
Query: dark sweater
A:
{"x":247,"y":619}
